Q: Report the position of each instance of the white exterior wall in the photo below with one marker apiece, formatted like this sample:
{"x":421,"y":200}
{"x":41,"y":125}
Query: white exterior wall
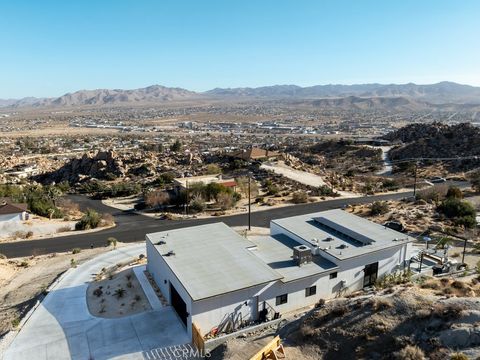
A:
{"x":210,"y":313}
{"x":296,"y":293}
{"x":351,"y":270}
{"x":11,"y":217}
{"x":160,"y":272}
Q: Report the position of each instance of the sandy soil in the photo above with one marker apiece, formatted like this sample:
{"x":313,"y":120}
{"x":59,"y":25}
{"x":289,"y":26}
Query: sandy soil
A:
{"x":22,"y":280}
{"x":122,"y":203}
{"x":103,"y":301}
{"x":302,"y":177}
{"x":35,"y":227}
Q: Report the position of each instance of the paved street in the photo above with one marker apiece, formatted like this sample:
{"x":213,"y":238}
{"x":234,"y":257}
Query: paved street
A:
{"x":62,"y":327}
{"x":132,"y":227}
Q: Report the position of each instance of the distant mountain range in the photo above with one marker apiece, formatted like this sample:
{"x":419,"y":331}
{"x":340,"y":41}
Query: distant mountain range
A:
{"x":392,"y":96}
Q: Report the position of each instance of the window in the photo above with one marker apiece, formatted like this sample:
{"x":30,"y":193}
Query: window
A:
{"x":312,"y":290}
{"x":333,"y":275}
{"x":281,"y":299}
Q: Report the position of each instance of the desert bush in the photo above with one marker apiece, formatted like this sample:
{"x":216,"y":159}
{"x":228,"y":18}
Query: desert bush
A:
{"x":225,"y":201}
{"x":156,"y":199}
{"x":339,"y":310}
{"x":90,"y":220}
{"x":454,"y":192}
{"x":107,"y":220}
{"x":378,"y":208}
{"x":29,"y":234}
{"x":299,"y":197}
{"x":381,"y":303}
{"x":461,"y":212}
{"x":120,"y":292}
{"x":197,"y":205}
{"x":213,"y":169}
{"x":76,"y":250}
{"x":111,"y":241}
{"x":98,"y":292}
{"x":2,"y":256}
{"x":64,"y":229}
{"x":325,"y":190}
{"x":410,"y":352}
{"x":242,"y":185}
{"x":458,"y":356}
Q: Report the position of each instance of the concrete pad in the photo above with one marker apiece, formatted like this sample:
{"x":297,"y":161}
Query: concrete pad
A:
{"x":62,"y":327}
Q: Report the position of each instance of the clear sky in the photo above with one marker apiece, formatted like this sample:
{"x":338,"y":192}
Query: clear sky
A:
{"x":51,"y":47}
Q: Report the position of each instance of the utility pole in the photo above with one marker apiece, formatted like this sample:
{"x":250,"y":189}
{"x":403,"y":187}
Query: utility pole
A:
{"x":186,"y":195}
{"x":464,"y":248}
{"x":249,"y":202}
{"x":415,"y":181}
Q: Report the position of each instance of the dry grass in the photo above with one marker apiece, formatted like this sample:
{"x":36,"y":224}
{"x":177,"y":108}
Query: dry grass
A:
{"x":410,"y":352}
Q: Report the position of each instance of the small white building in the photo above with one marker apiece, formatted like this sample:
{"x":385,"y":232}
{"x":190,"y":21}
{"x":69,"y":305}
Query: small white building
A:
{"x":220,"y":281}
{"x":13,"y":212}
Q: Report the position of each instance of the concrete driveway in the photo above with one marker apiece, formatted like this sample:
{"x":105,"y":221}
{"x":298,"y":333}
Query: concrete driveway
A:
{"x":62,"y":327}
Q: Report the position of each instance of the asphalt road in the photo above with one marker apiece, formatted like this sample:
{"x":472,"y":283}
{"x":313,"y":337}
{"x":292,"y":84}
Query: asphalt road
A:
{"x":132,"y":227}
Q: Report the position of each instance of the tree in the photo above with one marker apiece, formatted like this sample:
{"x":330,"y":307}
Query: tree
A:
{"x":213,"y":169}
{"x":176,"y":146}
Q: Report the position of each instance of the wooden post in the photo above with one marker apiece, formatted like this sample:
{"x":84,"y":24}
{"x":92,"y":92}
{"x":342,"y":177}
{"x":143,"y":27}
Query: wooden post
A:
{"x":197,"y":338}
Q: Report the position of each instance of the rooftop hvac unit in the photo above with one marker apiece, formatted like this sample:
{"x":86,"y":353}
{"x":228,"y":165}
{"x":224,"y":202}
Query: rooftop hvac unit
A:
{"x":302,"y":255}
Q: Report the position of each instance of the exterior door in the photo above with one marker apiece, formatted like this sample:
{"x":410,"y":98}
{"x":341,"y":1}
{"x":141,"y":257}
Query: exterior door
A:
{"x":370,"y":274}
{"x":178,"y":304}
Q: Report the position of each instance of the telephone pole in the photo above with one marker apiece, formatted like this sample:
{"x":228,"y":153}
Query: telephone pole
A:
{"x":249,"y":201}
{"x":415,"y":181}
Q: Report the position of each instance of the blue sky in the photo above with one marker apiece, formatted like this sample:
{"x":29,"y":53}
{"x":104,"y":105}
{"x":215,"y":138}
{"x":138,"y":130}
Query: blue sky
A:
{"x":51,"y":47}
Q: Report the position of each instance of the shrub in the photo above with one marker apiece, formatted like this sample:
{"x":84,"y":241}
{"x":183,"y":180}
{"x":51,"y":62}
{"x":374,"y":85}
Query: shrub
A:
{"x":213,"y":169}
{"x":120,"y":292}
{"x":90,"y":220}
{"x":458,"y":356}
{"x":2,"y":256}
{"x":97,"y":292}
{"x":454,"y":192}
{"x":299,"y":197}
{"x":111,"y":241}
{"x":461,"y":212}
{"x":76,"y":250}
{"x":378,"y":208}
{"x":197,"y":205}
{"x":325,"y":190}
{"x":410,"y":352}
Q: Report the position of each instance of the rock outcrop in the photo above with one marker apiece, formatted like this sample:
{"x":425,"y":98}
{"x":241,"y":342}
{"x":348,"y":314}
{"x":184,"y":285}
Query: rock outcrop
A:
{"x":102,"y":165}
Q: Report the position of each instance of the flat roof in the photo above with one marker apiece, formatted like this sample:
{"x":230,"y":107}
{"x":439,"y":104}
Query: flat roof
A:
{"x":212,"y":259}
{"x":277,"y":252}
{"x":341,"y":234}
{"x":204,"y":179}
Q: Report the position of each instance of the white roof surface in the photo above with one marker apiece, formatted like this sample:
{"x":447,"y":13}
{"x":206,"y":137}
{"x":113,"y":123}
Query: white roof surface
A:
{"x":212,"y":259}
{"x":348,"y":235}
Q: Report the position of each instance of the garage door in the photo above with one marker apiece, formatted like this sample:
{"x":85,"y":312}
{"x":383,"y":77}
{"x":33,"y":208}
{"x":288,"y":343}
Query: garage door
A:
{"x":178,"y":304}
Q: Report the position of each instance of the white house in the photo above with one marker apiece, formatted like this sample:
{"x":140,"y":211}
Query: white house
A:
{"x":13,"y":212}
{"x":219,"y":280}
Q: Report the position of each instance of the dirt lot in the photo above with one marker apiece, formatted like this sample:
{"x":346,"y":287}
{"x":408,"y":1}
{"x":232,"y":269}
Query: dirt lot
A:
{"x":390,"y":324}
{"x":22,"y":280}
